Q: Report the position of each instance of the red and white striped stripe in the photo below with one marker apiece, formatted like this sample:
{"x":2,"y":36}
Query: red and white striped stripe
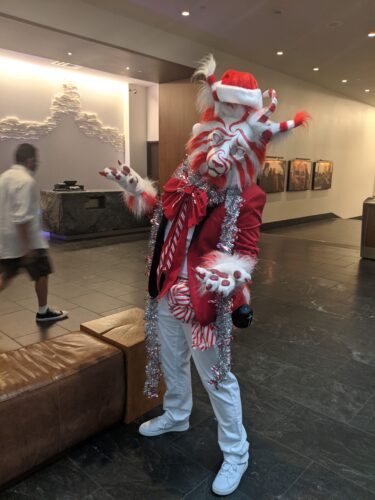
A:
{"x":203,"y":337}
{"x":169,"y":248}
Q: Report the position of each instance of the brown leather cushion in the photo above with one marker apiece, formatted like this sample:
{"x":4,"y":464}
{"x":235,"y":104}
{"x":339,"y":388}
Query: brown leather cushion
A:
{"x":126,"y":331}
{"x":55,"y":394}
{"x":130,"y":318}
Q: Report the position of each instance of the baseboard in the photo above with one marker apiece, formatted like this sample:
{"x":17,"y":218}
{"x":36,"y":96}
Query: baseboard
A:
{"x":299,"y":220}
{"x":104,"y":234}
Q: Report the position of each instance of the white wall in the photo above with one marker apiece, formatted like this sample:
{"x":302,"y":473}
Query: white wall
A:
{"x":26,"y":92}
{"x":138,"y":128}
{"x":153,"y":113}
{"x":341,"y":129}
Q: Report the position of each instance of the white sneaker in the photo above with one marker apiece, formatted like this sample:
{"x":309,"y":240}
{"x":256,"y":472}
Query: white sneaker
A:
{"x":161,"y":425}
{"x":228,"y":478}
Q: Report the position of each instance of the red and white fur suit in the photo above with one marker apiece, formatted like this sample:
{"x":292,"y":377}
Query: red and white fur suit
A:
{"x":191,"y":267}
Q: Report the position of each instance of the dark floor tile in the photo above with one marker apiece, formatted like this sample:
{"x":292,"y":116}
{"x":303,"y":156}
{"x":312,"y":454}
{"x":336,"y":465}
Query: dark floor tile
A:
{"x":178,"y":471}
{"x":356,"y":374}
{"x":261,"y":407}
{"x":201,"y":444}
{"x":15,"y":494}
{"x":319,"y":393}
{"x":318,"y":483}
{"x":204,"y":492}
{"x":277,"y":317}
{"x":61,"y":481}
{"x":272,"y":469}
{"x":99,"y":494}
{"x":365,"y":418}
{"x":315,"y":358}
{"x":357,"y":336}
{"x":143,"y":472}
{"x":340,"y":448}
{"x":255,"y":365}
{"x":320,"y":341}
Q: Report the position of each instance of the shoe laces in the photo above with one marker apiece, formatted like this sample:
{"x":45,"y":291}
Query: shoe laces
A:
{"x":227,"y":469}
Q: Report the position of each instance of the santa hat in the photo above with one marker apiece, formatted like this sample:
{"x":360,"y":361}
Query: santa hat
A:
{"x":234,"y":87}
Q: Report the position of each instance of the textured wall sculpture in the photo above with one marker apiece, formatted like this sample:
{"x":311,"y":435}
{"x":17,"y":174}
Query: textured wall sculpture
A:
{"x":67,"y":102}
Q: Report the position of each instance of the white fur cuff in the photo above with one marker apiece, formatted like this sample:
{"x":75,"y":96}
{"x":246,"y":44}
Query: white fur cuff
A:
{"x":230,"y":263}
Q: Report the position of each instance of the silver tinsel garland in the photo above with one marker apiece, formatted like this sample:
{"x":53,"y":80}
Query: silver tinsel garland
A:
{"x":153,"y":371}
{"x":223,"y":323}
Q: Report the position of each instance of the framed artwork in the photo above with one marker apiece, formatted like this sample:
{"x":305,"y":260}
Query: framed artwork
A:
{"x":322,"y":176}
{"x":271,"y":177}
{"x":299,"y":174}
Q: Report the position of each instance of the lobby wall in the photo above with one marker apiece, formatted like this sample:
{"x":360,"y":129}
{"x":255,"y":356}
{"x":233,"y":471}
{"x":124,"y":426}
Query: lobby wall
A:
{"x":138,"y":128}
{"x":26,"y":93}
{"x":340,"y":130}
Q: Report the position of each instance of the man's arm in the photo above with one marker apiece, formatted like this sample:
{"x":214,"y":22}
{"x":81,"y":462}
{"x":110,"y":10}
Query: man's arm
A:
{"x":23,"y":230}
{"x":22,"y":214}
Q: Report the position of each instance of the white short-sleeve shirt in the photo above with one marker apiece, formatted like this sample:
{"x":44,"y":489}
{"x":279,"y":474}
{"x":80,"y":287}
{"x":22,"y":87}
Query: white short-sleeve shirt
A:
{"x":19,"y":203}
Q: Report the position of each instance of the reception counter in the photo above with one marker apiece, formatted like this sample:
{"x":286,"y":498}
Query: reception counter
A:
{"x":86,"y":214}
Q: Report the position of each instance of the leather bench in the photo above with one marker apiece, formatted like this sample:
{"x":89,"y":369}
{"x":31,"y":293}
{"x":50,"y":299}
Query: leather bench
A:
{"x":125,"y":330}
{"x":54,"y":394}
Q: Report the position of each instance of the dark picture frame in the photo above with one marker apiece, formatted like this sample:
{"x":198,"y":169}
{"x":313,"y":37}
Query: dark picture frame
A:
{"x":272,"y":175}
{"x":299,"y":174}
{"x":322,"y":175}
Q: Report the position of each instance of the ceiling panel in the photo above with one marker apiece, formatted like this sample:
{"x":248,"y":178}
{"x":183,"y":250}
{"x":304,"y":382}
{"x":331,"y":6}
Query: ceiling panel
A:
{"x":329,"y":34}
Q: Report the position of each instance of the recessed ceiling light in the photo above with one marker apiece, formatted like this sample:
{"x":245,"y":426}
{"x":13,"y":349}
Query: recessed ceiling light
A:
{"x":367,"y":90}
{"x":280,"y":53}
{"x":371,"y":34}
{"x":316,"y":69}
{"x":344,"y":81}
{"x":185,"y":13}
{"x":70,"y":53}
{"x":127,"y":68}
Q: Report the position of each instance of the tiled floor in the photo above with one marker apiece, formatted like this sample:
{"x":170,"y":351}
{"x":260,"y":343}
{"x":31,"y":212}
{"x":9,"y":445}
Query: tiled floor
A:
{"x":306,"y":368}
{"x":91,"y":279}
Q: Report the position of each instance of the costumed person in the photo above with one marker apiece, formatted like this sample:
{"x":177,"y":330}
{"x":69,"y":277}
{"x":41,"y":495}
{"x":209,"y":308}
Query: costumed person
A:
{"x":203,"y":249}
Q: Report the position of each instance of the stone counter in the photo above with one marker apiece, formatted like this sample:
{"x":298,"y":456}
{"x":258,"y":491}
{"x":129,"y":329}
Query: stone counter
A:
{"x":80,"y":214}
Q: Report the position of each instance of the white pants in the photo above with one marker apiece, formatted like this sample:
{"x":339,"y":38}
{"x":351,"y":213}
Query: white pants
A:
{"x":175,"y":353}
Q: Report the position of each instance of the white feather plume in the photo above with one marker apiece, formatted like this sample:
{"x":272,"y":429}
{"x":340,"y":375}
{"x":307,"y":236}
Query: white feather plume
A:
{"x":205,"y":69}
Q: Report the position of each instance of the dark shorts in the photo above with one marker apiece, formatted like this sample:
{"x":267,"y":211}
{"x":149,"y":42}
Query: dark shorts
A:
{"x":38,"y":267}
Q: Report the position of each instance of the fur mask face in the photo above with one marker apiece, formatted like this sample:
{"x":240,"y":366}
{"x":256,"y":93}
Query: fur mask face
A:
{"x":228,"y":145}
{"x":225,"y":151}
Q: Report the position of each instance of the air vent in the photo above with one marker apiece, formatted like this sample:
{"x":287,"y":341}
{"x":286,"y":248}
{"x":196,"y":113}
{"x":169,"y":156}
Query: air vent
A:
{"x":67,"y":65}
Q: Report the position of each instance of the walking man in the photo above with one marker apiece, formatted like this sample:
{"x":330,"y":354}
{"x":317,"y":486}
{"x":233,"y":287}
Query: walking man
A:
{"x":21,"y":242}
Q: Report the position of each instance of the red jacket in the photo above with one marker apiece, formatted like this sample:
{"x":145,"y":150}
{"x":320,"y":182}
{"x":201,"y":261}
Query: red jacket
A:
{"x":205,"y":239}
